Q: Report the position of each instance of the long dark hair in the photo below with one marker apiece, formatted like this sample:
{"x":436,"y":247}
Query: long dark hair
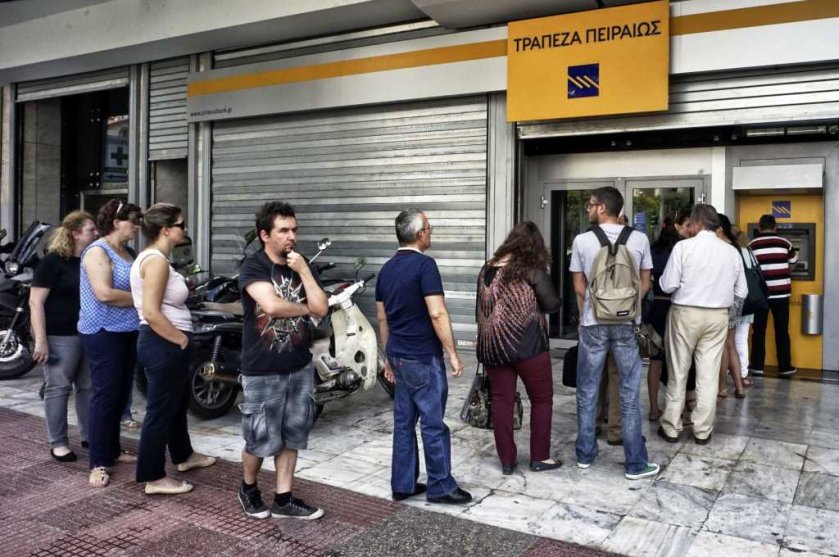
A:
{"x":669,"y":236}
{"x":527,"y":251}
{"x":725,"y":224}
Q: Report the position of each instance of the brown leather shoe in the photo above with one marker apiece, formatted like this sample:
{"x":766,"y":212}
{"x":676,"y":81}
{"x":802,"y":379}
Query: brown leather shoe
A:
{"x":663,"y":435}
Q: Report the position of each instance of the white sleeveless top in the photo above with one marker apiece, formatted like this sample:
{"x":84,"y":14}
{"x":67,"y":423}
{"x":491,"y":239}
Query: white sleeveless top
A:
{"x":174,"y":297}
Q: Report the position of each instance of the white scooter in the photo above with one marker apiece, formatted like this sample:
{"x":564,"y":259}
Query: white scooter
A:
{"x":345,"y":350}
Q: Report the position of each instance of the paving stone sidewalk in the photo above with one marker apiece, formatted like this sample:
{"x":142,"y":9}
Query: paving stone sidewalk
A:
{"x":48,"y":509}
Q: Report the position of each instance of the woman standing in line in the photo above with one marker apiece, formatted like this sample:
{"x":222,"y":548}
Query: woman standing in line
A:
{"x":730,"y":357}
{"x":54,"y":309}
{"x":674,"y":229}
{"x":514,"y":293}
{"x":741,"y":333}
{"x":163,"y":347}
{"x":108,"y":326}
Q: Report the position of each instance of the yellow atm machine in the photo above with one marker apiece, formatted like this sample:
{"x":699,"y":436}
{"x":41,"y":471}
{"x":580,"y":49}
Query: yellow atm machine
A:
{"x":800,"y":218}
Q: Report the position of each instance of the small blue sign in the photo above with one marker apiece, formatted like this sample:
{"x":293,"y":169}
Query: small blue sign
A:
{"x":782,"y":209}
{"x":584,"y":81}
{"x":639,"y":221}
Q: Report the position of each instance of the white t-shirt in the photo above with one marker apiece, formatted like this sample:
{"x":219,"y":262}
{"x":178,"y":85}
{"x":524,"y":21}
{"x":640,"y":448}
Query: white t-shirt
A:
{"x":173,"y":305}
{"x":585,"y":249}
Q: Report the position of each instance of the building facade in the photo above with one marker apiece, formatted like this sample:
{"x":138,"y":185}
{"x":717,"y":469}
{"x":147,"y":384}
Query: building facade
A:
{"x":353,"y":110}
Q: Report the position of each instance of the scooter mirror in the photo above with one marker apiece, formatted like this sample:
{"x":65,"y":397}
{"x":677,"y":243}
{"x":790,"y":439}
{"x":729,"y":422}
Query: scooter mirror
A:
{"x":360,"y":263}
{"x":324,"y":243}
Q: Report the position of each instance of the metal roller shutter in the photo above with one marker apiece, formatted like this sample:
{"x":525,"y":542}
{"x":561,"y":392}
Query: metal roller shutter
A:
{"x":722,"y":99}
{"x":168,"y":128}
{"x":349,"y":172}
{"x":72,"y":84}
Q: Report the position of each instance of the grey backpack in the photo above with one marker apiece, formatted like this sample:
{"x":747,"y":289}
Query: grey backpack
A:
{"x":615,"y":285}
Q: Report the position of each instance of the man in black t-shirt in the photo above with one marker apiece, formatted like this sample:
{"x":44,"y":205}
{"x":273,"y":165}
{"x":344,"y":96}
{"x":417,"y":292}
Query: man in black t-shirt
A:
{"x":280,"y":293}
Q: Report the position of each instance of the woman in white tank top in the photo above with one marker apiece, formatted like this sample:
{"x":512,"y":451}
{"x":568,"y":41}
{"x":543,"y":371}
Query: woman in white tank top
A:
{"x":163,"y":349}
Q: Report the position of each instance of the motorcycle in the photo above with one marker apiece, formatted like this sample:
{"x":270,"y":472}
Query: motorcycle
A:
{"x":344,"y":351}
{"x":15,"y":336}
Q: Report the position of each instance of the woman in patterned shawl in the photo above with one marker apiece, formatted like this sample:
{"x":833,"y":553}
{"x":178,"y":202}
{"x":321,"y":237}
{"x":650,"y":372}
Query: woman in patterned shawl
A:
{"x":514,"y":294}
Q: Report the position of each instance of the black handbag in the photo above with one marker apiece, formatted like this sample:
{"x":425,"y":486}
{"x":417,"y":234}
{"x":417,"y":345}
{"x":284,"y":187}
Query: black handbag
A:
{"x":758,"y":297}
{"x":650,"y":344}
{"x":476,"y":410}
{"x":569,"y":368}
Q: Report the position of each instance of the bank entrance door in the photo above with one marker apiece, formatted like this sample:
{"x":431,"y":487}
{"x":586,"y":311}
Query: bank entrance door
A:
{"x":647,"y":201}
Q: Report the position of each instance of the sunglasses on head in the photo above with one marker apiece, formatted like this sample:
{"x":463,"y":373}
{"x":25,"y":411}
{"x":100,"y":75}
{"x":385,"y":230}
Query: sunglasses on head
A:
{"x":131,"y":214}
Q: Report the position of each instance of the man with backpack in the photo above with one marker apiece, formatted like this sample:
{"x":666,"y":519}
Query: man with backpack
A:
{"x":704,"y":275}
{"x":611,"y":266}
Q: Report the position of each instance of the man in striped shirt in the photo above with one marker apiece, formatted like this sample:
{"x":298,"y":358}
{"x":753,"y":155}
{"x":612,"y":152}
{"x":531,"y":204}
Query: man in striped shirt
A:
{"x":777,"y":258}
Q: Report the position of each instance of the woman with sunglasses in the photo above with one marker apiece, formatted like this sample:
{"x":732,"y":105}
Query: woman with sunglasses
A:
{"x":108,"y":326}
{"x":163,"y":346}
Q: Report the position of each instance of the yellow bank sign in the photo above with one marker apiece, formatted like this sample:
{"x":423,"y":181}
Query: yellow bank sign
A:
{"x":608,"y":61}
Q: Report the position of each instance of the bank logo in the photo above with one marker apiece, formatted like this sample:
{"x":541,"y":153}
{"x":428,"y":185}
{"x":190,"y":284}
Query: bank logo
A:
{"x":782,"y":209}
{"x":584,"y":81}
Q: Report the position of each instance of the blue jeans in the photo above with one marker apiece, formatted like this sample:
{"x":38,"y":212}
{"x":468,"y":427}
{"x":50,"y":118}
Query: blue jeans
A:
{"x":167,"y":400}
{"x":595,"y":343}
{"x":111,"y":357}
{"x":421,"y":392}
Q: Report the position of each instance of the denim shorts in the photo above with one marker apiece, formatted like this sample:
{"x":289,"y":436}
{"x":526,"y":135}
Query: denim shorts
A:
{"x":278,"y":411}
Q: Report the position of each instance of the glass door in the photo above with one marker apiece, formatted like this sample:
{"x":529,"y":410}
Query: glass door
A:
{"x":647,"y":201}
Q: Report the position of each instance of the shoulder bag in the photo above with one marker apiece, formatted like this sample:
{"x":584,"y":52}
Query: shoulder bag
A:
{"x":476,"y":410}
{"x":758,"y":297}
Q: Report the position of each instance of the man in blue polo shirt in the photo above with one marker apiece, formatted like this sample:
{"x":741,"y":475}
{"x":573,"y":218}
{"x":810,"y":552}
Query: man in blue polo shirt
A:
{"x":415,"y":327}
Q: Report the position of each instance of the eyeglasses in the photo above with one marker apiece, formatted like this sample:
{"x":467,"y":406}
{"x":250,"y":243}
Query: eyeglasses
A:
{"x":181,"y":225}
{"x":589,"y":205}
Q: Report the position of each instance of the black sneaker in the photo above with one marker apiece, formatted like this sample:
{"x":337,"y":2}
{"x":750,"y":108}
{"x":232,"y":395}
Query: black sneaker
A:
{"x":251,"y":501}
{"x":296,"y":508}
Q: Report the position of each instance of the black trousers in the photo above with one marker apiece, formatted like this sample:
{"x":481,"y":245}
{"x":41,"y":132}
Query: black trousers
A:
{"x":780,"y":315}
{"x":167,"y":400}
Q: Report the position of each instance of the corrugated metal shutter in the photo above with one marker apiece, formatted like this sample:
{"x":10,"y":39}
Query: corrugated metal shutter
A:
{"x":168,"y":128}
{"x":72,"y":84}
{"x":722,"y":99}
{"x":349,"y":172}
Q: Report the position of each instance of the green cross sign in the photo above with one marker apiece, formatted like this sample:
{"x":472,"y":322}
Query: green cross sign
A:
{"x":120,"y":157}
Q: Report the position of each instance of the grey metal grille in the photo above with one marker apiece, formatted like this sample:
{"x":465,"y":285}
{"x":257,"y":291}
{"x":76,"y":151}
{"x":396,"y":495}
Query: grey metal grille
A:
{"x":349,"y":172}
{"x":168,"y":128}
{"x":72,"y":84}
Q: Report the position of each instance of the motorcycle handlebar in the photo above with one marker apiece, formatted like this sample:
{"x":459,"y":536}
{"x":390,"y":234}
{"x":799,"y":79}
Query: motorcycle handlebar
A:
{"x":321,"y":267}
{"x":369,"y":277}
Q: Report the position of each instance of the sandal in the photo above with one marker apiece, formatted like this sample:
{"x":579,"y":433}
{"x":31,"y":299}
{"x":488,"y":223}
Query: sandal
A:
{"x":739,"y":394}
{"x":748,"y":382}
{"x":655,"y":416}
{"x":125,"y":456}
{"x":99,"y":477}
{"x":722,"y":394}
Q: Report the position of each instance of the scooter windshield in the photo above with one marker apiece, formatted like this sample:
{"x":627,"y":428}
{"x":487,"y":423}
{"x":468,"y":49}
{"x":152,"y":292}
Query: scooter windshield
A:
{"x":26,"y":251}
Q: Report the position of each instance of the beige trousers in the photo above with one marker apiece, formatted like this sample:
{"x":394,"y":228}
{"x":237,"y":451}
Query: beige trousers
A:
{"x":696,"y":334}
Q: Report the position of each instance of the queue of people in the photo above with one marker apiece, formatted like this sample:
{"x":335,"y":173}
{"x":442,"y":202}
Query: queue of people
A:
{"x":88,"y":305}
{"x":693,"y":279}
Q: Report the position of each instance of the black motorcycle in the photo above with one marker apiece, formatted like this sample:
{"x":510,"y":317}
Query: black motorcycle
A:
{"x":15,"y":335}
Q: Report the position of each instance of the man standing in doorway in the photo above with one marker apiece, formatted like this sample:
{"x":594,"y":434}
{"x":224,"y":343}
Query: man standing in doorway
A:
{"x":415,"y":327}
{"x":777,"y":258}
{"x":704,"y":275}
{"x":598,"y":339}
{"x":280,"y":293}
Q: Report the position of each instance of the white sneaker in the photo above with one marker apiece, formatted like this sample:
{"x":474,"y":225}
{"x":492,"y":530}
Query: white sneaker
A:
{"x":787,"y":373}
{"x":649,"y":471}
{"x":756,"y":372}
{"x":583,"y":465}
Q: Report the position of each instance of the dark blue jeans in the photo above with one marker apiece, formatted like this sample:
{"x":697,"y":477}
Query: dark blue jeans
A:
{"x":421,"y":392}
{"x":595,"y":343}
{"x":167,"y":400}
{"x":111,"y":357}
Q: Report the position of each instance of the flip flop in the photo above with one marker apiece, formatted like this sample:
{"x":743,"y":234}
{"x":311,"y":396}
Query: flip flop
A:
{"x":184,"y":487}
{"x":748,"y":382}
{"x":655,"y":416}
{"x":125,"y":456}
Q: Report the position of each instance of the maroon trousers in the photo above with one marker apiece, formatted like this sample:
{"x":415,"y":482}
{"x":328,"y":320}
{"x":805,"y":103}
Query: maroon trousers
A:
{"x":537,"y":377}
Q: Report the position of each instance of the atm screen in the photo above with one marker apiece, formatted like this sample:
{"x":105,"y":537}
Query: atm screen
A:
{"x":802,"y":236}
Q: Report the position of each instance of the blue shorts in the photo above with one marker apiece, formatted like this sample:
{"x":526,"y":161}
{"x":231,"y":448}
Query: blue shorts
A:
{"x":278,"y":411}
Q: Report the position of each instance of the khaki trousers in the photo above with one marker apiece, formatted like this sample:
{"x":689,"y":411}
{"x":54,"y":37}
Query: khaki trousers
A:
{"x":696,"y":334}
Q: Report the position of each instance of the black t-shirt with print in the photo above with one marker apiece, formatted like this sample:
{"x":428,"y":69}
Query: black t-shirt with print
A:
{"x":61,"y":276}
{"x":273,"y":345}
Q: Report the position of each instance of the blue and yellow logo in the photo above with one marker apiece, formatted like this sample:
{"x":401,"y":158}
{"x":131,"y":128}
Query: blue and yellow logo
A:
{"x":584,"y":81}
{"x":782,"y":209}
